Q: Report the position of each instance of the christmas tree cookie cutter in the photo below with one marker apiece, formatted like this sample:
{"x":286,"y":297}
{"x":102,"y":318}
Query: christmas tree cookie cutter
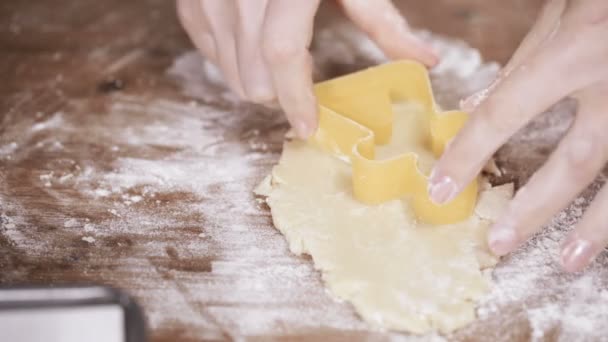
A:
{"x":355,"y":114}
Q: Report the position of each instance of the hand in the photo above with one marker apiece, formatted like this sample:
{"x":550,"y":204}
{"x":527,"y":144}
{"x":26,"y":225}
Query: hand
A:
{"x":566,"y":53}
{"x":261,"y":46}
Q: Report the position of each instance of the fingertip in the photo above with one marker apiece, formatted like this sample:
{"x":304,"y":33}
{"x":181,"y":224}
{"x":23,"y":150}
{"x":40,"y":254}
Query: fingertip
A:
{"x":412,"y":47}
{"x":441,"y":188}
{"x":303,"y":129}
{"x":502,"y":238}
{"x":307,"y":122}
{"x":296,"y":97}
{"x":576,"y":254}
{"x":421,"y":50}
{"x":428,"y":55}
{"x":432,"y":58}
{"x":304,"y":123}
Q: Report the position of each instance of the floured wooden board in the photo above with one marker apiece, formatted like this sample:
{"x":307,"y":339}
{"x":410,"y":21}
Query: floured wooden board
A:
{"x":146,"y":183}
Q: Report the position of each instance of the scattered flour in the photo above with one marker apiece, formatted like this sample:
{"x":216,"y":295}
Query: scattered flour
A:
{"x":88,"y":239}
{"x":170,"y":165}
{"x":46,"y":179}
{"x":71,"y":223}
{"x":55,"y":121}
{"x":7,"y":222}
{"x":101,"y":192}
{"x":555,"y":305}
{"x":8,"y":149}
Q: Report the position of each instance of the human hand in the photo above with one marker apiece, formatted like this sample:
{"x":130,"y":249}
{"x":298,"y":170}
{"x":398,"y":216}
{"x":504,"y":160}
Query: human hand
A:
{"x":261,"y":46}
{"x":565,"y":53}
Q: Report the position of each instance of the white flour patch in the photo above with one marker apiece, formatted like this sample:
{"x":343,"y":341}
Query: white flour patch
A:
{"x":8,"y":149}
{"x":88,"y":239}
{"x":55,"y":121}
{"x":12,"y":221}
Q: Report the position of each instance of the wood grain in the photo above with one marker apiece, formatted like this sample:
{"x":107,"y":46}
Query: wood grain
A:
{"x":84,"y":80}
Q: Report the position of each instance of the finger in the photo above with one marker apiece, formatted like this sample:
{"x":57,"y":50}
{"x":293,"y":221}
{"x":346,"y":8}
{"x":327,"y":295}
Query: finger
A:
{"x":528,"y":90}
{"x":589,"y":238}
{"x":221,"y":16}
{"x":195,"y":24}
{"x":286,"y":37}
{"x":253,"y":70}
{"x":591,"y":234}
{"x":572,"y":166}
{"x":543,"y":30}
{"x":386,"y":26}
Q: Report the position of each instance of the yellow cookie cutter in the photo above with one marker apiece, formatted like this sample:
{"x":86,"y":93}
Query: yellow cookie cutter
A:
{"x":356,"y":113}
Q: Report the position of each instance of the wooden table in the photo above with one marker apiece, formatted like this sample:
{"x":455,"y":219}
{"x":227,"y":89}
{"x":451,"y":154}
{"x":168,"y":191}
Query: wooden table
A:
{"x":117,"y":168}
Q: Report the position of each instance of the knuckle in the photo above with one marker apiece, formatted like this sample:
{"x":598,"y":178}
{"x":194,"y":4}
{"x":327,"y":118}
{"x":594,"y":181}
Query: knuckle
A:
{"x":259,"y":95}
{"x":581,"y":15}
{"x":582,"y":156}
{"x":496,"y":121}
{"x":596,"y":14}
{"x":280,"y":50}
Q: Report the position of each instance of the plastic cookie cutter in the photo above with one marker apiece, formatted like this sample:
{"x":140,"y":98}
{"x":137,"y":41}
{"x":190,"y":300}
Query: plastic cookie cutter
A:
{"x":356,"y":114}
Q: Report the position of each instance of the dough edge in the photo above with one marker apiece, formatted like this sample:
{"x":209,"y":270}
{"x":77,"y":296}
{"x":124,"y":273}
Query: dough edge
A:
{"x":492,"y":201}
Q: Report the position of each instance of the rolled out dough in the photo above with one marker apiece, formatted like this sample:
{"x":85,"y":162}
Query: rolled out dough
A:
{"x":398,"y":274}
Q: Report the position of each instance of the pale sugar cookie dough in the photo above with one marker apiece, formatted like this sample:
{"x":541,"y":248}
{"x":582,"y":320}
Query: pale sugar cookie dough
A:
{"x":397,"y":273}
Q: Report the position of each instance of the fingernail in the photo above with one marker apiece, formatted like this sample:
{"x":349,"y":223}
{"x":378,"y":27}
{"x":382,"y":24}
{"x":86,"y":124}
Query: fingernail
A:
{"x":502,"y":238}
{"x":303,"y":129}
{"x":431,"y":58}
{"x":576,"y":255}
{"x":442,"y":189}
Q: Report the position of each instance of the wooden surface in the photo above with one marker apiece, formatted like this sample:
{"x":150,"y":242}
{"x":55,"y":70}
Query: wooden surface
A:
{"x":112,"y":172}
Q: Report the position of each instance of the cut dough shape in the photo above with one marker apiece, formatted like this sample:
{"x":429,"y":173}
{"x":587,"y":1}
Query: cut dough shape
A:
{"x":398,"y":274}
